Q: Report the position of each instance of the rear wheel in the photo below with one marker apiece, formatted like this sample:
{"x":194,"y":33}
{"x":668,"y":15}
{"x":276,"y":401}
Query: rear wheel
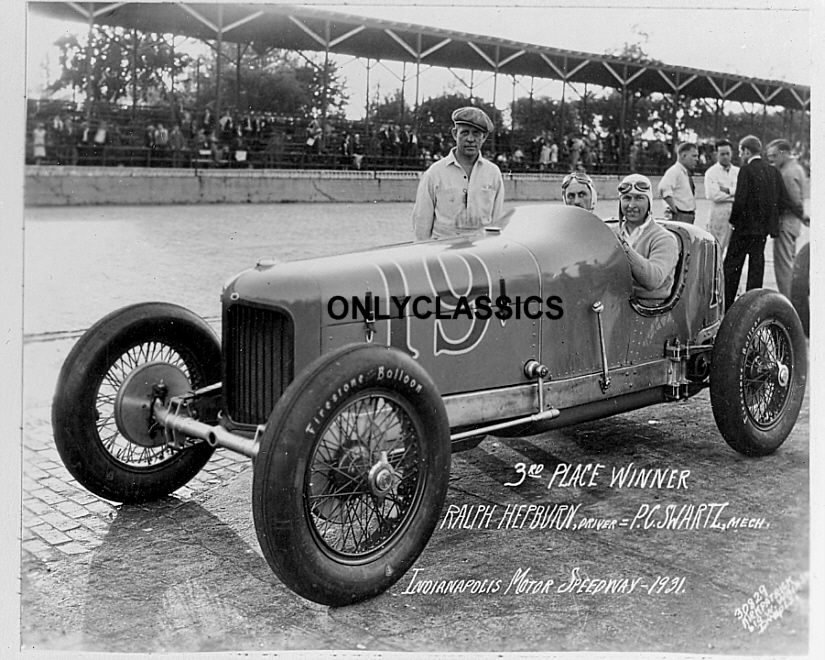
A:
{"x":351,"y":474}
{"x":101,"y":412}
{"x":758,"y":373}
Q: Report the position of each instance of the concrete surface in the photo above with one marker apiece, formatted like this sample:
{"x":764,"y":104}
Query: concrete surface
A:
{"x":51,"y":185}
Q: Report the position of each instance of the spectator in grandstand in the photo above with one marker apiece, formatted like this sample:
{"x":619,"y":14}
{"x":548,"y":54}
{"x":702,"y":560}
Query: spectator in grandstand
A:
{"x":314,"y":135}
{"x":778,"y":154}
{"x":676,"y":186}
{"x":226,"y":124}
{"x":84,"y":136}
{"x":187,"y":126}
{"x":395,"y":140}
{"x":99,"y":140}
{"x":409,"y":143}
{"x":207,"y":121}
{"x":101,"y":134}
{"x":578,"y":189}
{"x":345,"y":149}
{"x":554,"y":156}
{"x":384,"y":141}
{"x":720,"y":189}
{"x":437,"y":148}
{"x":161,"y":145}
{"x":544,"y":156}
{"x":760,"y":198}
{"x":586,"y":155}
{"x":177,"y":145}
{"x":463,"y":192}
{"x":39,"y":142}
{"x":274,"y":150}
{"x":202,"y":155}
{"x":575,"y":145}
{"x":517,"y":159}
{"x":68,"y":142}
{"x":634,"y":156}
{"x":149,"y":137}
{"x":357,"y":151}
{"x":239,"y":151}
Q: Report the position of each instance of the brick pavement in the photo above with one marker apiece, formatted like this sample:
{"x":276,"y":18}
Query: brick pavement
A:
{"x":60,"y":518}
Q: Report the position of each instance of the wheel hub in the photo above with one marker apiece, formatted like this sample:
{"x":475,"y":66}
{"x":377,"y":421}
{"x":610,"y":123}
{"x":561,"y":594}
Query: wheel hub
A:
{"x":783,"y":374}
{"x":383,"y":477}
{"x":133,"y":403}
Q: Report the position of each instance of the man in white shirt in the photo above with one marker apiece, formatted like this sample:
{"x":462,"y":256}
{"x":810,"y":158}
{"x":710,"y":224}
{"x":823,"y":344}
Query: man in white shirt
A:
{"x":676,"y":185}
{"x":463,"y":192}
{"x":720,"y":188}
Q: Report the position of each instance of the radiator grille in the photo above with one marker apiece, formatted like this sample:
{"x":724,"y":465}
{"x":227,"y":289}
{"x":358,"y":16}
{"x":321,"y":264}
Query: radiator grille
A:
{"x":258,"y":361}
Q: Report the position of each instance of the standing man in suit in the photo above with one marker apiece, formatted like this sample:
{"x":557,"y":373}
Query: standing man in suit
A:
{"x":778,"y":154}
{"x":760,"y":197}
{"x":676,"y":185}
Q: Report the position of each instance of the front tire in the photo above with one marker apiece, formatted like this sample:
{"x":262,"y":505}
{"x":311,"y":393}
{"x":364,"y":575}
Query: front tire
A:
{"x":101,"y":407}
{"x":758,"y":373}
{"x":351,"y":474}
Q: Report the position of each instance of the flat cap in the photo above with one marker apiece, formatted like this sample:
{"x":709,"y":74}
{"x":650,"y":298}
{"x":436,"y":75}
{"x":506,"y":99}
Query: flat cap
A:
{"x":474,"y":117}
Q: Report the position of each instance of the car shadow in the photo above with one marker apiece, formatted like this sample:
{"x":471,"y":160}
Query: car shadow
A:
{"x":171,"y":575}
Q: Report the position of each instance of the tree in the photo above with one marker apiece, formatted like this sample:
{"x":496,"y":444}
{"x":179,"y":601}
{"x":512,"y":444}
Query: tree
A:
{"x":435,"y":114}
{"x":392,"y":110}
{"x":123,"y":64}
{"x":534,"y":116}
{"x":274,"y":81}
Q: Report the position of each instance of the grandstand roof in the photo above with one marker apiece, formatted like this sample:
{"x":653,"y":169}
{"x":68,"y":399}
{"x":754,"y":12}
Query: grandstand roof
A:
{"x":306,"y":29}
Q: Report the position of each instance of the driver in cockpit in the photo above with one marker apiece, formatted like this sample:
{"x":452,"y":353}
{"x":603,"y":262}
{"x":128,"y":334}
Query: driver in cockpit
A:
{"x":651,"y":249}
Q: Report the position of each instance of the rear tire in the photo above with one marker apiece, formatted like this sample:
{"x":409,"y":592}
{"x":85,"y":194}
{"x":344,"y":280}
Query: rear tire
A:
{"x":758,"y":373}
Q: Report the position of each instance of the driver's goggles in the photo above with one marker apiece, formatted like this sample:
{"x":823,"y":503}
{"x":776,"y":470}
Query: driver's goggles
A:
{"x":627,"y":186}
{"x":576,"y":176}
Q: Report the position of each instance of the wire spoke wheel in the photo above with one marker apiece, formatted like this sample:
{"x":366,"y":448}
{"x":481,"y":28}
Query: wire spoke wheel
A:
{"x":153,"y":450}
{"x":351,"y":474}
{"x":102,"y":409}
{"x":364,"y":478}
{"x":767,"y":373}
{"x":758,"y":372}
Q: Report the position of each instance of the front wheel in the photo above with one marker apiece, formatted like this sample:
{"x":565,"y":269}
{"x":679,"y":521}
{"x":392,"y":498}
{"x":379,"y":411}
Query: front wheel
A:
{"x":101,"y":412}
{"x":351,"y":474}
{"x":758,"y":373}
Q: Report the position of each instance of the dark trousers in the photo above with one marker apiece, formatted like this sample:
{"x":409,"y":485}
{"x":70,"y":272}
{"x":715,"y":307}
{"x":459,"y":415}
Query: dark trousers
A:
{"x":751,"y":246}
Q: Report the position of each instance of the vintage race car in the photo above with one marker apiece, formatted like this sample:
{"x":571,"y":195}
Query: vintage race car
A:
{"x":349,"y":380}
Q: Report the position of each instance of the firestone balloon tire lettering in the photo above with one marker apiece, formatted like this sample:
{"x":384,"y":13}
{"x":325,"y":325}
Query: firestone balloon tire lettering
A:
{"x":344,"y":503}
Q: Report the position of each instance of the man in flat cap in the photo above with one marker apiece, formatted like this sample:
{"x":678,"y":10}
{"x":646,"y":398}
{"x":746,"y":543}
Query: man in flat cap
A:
{"x":463,"y":192}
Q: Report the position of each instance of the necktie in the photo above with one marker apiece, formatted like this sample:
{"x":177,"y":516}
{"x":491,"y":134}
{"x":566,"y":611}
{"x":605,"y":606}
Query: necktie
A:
{"x":692,"y":186}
